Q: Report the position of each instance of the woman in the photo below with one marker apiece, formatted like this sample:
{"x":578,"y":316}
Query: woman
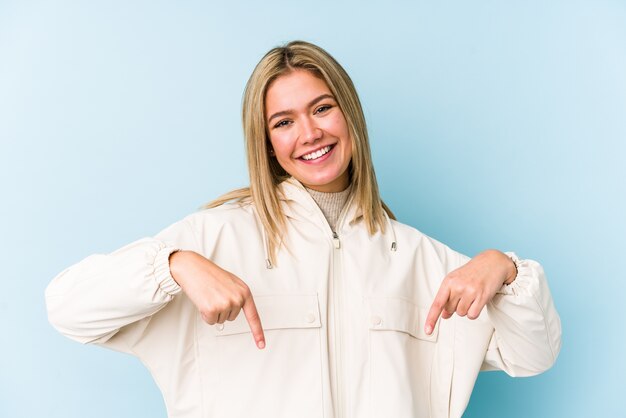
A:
{"x":342,"y":301}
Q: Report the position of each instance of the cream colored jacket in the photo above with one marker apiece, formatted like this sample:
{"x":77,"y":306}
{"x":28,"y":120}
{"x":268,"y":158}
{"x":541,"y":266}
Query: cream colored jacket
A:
{"x":343,"y":316}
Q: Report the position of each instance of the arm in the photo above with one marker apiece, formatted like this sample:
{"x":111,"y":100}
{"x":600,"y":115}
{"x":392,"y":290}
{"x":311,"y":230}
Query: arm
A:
{"x":91,"y":300}
{"x":527,"y":337}
{"x":527,"y":329}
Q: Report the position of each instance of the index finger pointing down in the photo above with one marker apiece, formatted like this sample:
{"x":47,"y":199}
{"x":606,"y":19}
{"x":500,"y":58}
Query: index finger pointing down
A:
{"x":436,"y":308}
{"x":252,"y":316}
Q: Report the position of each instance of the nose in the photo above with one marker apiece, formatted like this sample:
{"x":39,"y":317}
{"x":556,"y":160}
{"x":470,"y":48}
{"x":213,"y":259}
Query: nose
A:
{"x":310,"y":132}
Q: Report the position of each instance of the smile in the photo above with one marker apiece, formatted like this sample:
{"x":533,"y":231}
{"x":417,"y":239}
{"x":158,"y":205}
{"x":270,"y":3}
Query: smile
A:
{"x":317,"y":154}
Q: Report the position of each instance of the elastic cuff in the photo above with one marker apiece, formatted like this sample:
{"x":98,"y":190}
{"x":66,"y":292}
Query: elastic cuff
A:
{"x":523,"y":280}
{"x":515,"y":259}
{"x":162,"y":272}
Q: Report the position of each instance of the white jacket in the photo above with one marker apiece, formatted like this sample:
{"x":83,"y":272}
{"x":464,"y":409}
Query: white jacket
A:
{"x":343,"y":319}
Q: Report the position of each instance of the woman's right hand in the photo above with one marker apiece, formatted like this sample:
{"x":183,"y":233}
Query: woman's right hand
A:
{"x":218,"y":294}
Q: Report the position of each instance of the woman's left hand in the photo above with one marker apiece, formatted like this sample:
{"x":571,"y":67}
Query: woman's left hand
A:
{"x":467,"y":289}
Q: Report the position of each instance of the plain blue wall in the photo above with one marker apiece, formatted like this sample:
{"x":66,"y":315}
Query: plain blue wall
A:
{"x":493,"y":124}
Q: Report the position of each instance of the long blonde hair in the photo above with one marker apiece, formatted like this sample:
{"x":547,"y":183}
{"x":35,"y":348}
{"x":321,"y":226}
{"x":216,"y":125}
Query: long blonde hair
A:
{"x":266,"y":173}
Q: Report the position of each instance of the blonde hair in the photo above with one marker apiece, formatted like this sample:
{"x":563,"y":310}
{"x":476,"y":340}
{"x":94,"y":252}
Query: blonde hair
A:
{"x":266,"y":173}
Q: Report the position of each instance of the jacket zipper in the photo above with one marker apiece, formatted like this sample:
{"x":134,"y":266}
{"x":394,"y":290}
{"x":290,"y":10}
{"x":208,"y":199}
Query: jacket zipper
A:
{"x":339,"y":315}
{"x":336,"y":241}
{"x":338,"y":328}
{"x":336,"y":296}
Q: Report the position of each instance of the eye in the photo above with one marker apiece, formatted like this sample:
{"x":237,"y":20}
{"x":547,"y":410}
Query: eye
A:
{"x":282,"y":123}
{"x":322,"y":108}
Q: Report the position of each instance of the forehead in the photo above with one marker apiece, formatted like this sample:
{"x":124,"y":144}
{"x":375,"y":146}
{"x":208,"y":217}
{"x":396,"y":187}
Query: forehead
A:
{"x":294,"y":90}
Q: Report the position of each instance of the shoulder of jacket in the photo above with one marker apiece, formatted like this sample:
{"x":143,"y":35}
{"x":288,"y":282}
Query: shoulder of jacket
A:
{"x":223,"y":214}
{"x":413,"y":236}
{"x":407,"y":232}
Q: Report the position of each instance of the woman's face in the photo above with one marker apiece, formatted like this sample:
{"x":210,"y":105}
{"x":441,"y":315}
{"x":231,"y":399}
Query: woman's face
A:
{"x":308,"y":131}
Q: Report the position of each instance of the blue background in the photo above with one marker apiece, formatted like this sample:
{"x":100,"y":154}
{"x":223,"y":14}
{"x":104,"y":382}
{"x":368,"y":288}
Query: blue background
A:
{"x":493,"y":124}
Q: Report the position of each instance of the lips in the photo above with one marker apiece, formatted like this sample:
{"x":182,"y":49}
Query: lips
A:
{"x":318,"y":153}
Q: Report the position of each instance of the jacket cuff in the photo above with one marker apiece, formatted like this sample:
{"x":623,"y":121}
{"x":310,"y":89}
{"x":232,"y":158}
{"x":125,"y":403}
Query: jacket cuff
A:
{"x":527,"y":280}
{"x":162,"y":273}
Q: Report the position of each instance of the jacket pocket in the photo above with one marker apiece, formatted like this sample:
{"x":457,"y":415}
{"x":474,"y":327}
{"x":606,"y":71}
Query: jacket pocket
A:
{"x":400,"y":357}
{"x":282,"y":380}
{"x":277,"y":312}
{"x":397,"y":314}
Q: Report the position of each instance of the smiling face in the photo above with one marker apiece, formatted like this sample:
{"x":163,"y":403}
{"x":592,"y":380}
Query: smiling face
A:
{"x":308,"y":131}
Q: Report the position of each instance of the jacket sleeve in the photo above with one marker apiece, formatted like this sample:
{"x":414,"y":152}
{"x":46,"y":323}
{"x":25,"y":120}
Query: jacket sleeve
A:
{"x":93,"y":299}
{"x":527,"y":329}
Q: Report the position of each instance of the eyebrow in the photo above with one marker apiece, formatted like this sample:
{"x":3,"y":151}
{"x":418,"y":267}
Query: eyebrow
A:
{"x":311,"y":103}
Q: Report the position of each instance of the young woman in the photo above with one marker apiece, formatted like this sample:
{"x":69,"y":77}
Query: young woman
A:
{"x":301,"y":296}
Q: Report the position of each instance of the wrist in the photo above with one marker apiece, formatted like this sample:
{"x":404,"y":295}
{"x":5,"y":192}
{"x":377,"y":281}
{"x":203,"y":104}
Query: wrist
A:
{"x":177,"y":262}
{"x":513,"y":268}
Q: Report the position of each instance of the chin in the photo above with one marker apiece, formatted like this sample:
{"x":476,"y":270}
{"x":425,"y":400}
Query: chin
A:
{"x":318,"y":182}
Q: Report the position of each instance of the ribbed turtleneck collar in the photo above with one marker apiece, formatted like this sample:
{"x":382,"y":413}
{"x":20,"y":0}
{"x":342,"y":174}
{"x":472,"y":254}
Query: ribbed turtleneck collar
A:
{"x":331,"y":204}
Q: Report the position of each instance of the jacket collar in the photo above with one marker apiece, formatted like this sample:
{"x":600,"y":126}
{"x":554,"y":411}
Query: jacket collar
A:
{"x":297,"y":203}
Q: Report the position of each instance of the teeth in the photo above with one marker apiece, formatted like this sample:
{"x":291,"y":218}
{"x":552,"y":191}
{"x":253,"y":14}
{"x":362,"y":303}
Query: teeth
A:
{"x":316,"y":154}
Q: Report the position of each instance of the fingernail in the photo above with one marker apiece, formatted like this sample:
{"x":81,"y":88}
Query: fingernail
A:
{"x":261,"y":344}
{"x":429,"y":329}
